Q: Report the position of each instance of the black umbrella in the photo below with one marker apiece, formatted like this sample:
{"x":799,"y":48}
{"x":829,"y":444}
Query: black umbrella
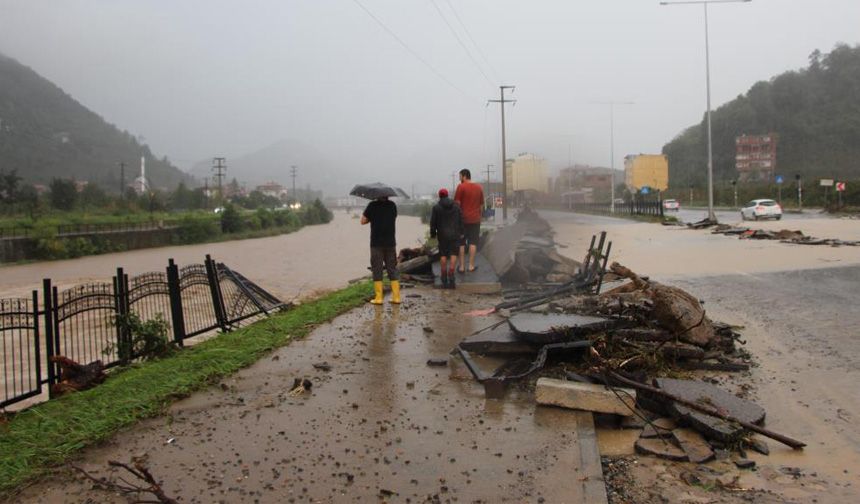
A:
{"x":377,"y":190}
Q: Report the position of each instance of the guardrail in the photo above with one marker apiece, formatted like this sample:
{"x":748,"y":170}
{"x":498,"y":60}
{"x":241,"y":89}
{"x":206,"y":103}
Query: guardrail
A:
{"x":652,"y":208}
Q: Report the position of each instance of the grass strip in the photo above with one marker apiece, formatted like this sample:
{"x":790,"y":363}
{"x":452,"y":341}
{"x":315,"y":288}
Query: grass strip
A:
{"x":49,"y":433}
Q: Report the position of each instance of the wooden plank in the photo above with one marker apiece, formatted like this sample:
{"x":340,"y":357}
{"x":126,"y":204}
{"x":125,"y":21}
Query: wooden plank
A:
{"x":591,"y":475}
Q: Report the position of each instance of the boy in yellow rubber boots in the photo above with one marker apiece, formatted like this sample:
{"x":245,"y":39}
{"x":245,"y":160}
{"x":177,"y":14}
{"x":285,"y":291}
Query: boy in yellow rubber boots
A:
{"x":381,"y":214}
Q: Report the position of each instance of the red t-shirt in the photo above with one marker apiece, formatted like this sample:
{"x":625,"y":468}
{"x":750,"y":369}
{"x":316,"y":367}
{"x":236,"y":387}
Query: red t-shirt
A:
{"x":470,"y":197}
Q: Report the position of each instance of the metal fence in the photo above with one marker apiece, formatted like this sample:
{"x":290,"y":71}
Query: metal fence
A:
{"x":652,"y":208}
{"x":72,"y":230}
{"x":80,"y":323}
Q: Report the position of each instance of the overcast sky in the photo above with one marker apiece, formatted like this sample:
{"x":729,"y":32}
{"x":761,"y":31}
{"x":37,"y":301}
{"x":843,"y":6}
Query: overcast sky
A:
{"x":204,"y":78}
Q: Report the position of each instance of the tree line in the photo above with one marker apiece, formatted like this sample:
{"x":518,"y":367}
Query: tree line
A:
{"x":814,"y":111}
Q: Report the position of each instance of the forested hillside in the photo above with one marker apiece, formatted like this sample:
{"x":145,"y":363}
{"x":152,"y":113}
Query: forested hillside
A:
{"x":45,"y":133}
{"x":815,"y":111}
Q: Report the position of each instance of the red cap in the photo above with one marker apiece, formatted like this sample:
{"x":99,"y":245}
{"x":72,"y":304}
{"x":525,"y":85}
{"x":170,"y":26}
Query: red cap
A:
{"x":443,"y":193}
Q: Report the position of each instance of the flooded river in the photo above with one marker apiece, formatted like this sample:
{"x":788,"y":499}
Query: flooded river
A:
{"x":294,"y":265}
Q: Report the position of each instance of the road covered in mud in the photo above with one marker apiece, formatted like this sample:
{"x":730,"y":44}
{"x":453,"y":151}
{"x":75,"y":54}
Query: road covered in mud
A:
{"x":797,"y":306}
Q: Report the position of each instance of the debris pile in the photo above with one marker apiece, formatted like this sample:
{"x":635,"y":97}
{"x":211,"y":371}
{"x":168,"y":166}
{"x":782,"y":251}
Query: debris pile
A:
{"x":620,"y":353}
{"x":525,"y":252}
{"x":783,"y":235}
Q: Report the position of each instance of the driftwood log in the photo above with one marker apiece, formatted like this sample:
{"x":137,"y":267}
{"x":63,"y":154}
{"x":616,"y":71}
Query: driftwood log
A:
{"x":674,"y":309}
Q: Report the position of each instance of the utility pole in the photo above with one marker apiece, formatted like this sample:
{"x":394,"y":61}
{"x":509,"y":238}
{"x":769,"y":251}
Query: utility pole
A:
{"x":711,"y":215}
{"x":612,"y":105}
{"x":453,"y":182}
{"x":487,"y":193}
{"x":219,"y":168}
{"x":294,"y":170}
{"x":122,"y":180}
{"x":502,"y":101}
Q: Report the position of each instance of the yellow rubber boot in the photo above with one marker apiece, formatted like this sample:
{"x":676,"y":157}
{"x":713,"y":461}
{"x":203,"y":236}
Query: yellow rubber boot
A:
{"x":377,"y":291}
{"x":395,"y":292}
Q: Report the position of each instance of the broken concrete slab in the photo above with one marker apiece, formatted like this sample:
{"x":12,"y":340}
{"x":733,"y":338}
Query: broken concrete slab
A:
{"x":585,"y":396}
{"x":660,"y":448}
{"x":555,"y":328}
{"x":694,"y":445}
{"x":500,"y":340}
{"x":701,"y":392}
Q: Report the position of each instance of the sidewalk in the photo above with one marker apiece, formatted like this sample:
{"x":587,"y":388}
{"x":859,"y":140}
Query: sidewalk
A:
{"x":380,"y":424}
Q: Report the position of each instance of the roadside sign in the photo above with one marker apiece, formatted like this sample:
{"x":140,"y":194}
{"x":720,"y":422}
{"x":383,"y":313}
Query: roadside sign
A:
{"x":645,"y":190}
{"x":840,"y":186}
{"x":827,"y":182}
{"x":498,"y":202}
{"x":779,"y":179}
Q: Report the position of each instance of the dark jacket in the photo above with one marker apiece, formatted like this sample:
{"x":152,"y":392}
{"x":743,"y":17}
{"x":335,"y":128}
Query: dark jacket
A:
{"x":446,"y":220}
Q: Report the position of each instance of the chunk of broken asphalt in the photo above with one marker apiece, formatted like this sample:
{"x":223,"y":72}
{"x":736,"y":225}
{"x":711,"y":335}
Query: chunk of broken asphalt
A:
{"x":660,"y":427}
{"x":743,"y":463}
{"x":694,"y":445}
{"x":660,"y":448}
{"x":710,"y":395}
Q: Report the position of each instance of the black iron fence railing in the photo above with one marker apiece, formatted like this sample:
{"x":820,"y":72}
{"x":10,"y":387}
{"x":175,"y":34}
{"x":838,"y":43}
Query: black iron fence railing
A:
{"x":652,"y":208}
{"x":80,"y":323}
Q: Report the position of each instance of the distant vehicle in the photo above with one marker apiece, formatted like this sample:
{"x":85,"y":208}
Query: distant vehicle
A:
{"x":619,"y":201}
{"x":218,"y":210}
{"x":670,"y":204}
{"x":761,"y":209}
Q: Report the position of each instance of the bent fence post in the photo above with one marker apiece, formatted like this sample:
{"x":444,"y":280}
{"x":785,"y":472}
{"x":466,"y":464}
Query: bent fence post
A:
{"x":175,"y":292}
{"x":217,"y":298}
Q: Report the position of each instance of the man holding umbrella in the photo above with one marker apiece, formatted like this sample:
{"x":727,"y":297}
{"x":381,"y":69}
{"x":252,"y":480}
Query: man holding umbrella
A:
{"x":381,"y":214}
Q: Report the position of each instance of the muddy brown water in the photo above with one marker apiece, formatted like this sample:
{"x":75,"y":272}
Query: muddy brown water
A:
{"x":381,"y":423}
{"x":293,"y":265}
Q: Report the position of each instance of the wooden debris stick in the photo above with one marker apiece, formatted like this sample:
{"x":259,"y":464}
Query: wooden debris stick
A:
{"x":797,"y":445}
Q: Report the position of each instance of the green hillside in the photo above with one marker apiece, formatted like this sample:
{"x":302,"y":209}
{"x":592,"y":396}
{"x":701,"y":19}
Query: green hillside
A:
{"x":815,"y":111}
{"x":45,"y":133}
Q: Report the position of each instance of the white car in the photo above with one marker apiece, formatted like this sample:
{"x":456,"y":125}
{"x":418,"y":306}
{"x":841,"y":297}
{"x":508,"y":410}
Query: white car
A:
{"x":761,"y":209}
{"x":671,"y":204}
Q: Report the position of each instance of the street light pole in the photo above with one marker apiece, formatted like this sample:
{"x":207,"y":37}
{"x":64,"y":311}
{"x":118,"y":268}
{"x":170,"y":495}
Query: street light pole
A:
{"x":711,"y":215}
{"x":612,"y":105}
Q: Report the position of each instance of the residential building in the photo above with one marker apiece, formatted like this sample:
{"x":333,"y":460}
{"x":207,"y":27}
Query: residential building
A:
{"x":527,"y":172}
{"x":755,"y":157}
{"x":646,"y":170}
{"x":273,"y":189}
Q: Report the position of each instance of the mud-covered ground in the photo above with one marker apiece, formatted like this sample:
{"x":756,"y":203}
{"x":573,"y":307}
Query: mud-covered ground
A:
{"x":798,"y":309}
{"x":380,"y":423}
{"x":383,"y":424}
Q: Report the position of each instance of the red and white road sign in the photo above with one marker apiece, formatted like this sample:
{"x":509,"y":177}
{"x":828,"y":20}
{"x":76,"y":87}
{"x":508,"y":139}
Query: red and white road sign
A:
{"x":498,"y":202}
{"x":840,"y":186}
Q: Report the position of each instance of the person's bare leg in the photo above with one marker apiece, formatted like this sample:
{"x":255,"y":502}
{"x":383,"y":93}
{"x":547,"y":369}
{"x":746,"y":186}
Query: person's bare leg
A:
{"x":443,"y":270}
{"x":473,"y":249}
{"x":462,"y":258}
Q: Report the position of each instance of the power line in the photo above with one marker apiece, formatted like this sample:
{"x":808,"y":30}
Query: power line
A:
{"x":411,"y":51}
{"x":477,"y":47}
{"x":460,"y":41}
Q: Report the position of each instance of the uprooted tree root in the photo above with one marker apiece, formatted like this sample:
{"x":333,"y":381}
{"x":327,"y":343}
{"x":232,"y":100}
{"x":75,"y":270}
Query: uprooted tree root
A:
{"x":148,"y":487}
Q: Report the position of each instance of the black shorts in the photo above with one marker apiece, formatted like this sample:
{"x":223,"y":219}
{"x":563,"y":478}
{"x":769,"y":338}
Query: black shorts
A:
{"x":448,"y":248}
{"x":471,"y":234}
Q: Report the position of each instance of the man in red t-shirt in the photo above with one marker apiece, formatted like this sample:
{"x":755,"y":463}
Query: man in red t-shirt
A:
{"x":470,"y":197}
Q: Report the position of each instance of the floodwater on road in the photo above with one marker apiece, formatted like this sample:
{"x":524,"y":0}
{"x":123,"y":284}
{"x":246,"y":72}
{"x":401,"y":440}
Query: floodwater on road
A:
{"x":666,"y":252}
{"x":315,"y":258}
